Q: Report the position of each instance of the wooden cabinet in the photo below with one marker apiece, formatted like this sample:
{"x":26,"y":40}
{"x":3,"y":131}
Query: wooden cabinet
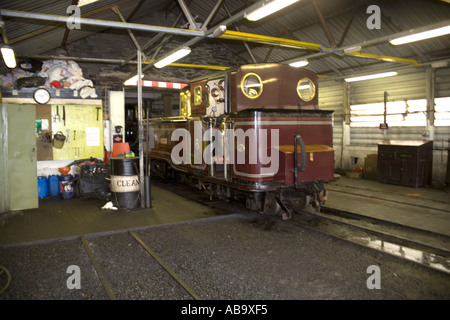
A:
{"x":405,"y":162}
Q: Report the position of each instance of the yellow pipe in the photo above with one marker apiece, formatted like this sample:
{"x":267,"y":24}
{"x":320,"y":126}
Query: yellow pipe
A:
{"x":251,"y":37}
{"x":201,"y":66}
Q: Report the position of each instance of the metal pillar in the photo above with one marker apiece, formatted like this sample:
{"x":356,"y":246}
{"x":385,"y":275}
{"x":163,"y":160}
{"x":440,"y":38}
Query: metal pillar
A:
{"x":141,"y":131}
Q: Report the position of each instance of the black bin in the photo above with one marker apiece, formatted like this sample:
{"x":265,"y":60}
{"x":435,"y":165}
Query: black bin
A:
{"x":125,"y":184}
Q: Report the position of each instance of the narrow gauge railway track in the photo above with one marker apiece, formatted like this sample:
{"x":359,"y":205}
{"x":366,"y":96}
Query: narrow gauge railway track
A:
{"x":411,"y":244}
{"x":107,"y":286}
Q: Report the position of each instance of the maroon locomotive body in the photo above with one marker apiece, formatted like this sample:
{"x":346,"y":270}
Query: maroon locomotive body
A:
{"x":255,"y":132}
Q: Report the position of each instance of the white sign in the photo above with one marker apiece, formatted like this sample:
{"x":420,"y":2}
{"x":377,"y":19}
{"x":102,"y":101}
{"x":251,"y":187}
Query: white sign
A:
{"x":93,"y":137}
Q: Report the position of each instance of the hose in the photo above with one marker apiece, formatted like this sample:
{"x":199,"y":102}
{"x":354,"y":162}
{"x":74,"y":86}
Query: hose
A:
{"x":8,"y":281}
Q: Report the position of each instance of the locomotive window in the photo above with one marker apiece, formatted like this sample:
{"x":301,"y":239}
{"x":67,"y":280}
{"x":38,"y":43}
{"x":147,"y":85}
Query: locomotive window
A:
{"x":185,"y":103}
{"x":306,"y":89}
{"x":198,"y":95}
{"x":251,"y":85}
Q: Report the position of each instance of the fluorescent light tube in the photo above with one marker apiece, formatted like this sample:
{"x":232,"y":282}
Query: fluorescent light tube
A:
{"x":8,"y":56}
{"x":421,"y":36}
{"x":85,"y":2}
{"x":372,"y":76}
{"x":132,"y":81}
{"x":268,"y":8}
{"x":298,"y":64}
{"x":173,"y":57}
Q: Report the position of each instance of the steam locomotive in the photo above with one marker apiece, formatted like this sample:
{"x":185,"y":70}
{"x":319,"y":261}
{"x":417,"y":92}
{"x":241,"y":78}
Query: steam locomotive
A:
{"x":254,"y":133}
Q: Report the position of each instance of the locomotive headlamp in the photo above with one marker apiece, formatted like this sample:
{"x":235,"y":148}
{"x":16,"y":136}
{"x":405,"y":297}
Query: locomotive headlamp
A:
{"x":180,"y":53}
{"x":268,"y":8}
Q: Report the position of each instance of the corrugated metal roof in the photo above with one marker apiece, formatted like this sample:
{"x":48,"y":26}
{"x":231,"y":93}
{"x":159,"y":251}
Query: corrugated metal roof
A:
{"x":299,"y":21}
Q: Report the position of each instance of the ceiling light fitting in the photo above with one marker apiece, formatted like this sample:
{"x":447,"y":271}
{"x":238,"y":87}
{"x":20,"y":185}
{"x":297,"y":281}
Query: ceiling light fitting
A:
{"x":133,"y":81}
{"x":421,"y":36}
{"x":268,"y":8}
{"x":85,"y":2}
{"x":184,"y":51}
{"x":372,"y":76}
{"x":298,"y":64}
{"x":8,"y":56}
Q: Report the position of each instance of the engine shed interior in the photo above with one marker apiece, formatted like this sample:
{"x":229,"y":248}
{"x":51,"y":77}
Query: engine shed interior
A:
{"x":193,"y":127}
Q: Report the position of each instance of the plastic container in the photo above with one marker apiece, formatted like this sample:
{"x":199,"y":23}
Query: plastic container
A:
{"x":42,"y":187}
{"x":53,"y":185}
{"x":66,"y":186}
{"x":64,"y":170}
{"x":120,"y":148}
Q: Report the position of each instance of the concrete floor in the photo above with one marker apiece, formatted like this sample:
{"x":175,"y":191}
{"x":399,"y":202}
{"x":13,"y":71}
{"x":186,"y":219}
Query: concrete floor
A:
{"x":224,"y":252}
{"x":61,"y":218}
{"x":424,"y":208}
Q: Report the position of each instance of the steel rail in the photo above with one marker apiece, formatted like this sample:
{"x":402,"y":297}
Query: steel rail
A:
{"x":395,"y":245}
{"x":165,"y":266}
{"x":98,"y":269}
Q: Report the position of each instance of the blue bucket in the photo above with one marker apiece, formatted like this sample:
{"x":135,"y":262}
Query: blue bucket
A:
{"x":66,"y":186}
{"x":53,"y":185}
{"x":42,"y":187}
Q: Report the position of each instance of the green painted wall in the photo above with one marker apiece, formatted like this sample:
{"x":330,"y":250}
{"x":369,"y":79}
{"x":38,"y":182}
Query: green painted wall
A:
{"x":18,"y":182}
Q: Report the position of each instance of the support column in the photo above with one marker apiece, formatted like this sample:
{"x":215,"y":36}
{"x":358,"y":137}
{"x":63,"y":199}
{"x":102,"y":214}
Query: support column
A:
{"x":345,"y":127}
{"x":430,"y":102}
{"x":141,"y":131}
{"x":168,"y":104}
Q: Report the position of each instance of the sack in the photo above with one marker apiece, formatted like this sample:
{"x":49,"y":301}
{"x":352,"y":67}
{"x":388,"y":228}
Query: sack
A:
{"x":30,"y":82}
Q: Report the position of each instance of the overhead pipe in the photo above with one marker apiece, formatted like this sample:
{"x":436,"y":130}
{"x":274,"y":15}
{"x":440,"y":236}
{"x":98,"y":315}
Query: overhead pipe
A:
{"x":102,"y":23}
{"x":119,"y":61}
{"x":342,"y":50}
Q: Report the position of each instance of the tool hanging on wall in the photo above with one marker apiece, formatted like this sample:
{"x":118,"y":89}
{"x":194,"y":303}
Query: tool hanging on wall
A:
{"x":64,"y":115}
{"x":68,"y":139}
{"x":57,"y":115}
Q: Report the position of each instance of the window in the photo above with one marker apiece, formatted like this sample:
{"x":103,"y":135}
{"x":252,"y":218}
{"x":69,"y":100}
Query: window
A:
{"x":252,"y":85}
{"x":185,"y":103}
{"x":406,"y":113}
{"x":306,"y":89}
{"x":198,"y":95}
{"x":442,"y":114}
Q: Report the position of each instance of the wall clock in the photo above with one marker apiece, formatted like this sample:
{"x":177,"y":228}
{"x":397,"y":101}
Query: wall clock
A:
{"x":41,"y":96}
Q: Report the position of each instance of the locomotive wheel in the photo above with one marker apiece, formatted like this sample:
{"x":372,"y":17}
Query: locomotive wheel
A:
{"x":271,"y":206}
{"x":299,"y":204}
